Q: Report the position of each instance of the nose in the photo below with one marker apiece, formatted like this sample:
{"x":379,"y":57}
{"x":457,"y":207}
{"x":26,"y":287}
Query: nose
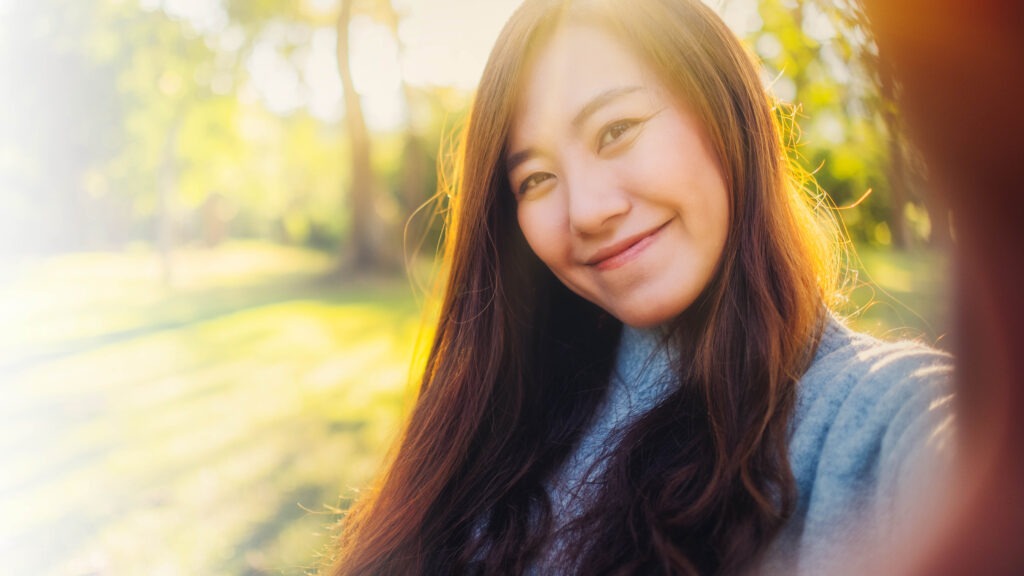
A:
{"x":596,"y":201}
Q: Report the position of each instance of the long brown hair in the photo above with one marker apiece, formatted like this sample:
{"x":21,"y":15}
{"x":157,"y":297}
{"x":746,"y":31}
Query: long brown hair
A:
{"x":519,"y":364}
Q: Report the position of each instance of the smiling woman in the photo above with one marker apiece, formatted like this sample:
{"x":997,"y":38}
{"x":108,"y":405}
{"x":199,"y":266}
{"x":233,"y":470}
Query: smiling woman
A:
{"x":618,"y":191}
{"x":635,"y":368}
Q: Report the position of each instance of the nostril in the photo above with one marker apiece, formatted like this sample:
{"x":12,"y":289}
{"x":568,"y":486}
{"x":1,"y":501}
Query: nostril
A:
{"x":593,"y":212}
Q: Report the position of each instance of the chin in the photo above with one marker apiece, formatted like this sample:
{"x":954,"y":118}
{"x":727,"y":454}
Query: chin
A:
{"x":644,"y":318}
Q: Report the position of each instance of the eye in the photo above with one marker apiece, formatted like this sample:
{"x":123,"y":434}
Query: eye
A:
{"x":533,"y":180}
{"x":614,"y":131}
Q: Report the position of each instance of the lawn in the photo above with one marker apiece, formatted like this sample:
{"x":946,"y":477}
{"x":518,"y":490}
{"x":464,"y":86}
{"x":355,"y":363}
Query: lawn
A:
{"x":211,"y":427}
{"x":203,"y":429}
{"x":902,"y":295}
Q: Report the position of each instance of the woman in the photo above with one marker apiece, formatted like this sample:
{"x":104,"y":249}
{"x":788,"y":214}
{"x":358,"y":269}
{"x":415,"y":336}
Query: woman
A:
{"x":635,"y":368}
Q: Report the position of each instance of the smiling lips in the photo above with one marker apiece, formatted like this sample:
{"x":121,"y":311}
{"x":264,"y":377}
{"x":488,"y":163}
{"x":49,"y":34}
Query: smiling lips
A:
{"x":619,"y":253}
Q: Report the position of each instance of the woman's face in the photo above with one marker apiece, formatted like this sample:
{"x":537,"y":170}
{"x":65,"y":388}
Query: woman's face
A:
{"x":617,"y":189}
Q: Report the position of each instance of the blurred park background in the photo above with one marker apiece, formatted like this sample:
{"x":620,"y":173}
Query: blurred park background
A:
{"x":214,"y":275}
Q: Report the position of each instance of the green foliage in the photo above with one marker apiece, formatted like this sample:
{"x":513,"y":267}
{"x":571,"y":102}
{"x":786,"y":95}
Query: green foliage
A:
{"x":118,"y":101}
{"x":820,"y":57}
{"x":60,"y":103}
{"x":165,"y":125}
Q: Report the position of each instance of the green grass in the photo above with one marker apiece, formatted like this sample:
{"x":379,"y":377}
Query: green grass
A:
{"x":902,"y":295}
{"x":207,"y":428}
{"x":203,"y":429}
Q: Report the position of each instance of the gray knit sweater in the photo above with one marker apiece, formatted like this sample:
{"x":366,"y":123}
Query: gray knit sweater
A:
{"x":869,"y":435}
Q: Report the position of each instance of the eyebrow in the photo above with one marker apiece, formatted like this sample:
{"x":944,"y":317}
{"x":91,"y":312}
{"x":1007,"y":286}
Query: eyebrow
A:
{"x":600,"y":101}
{"x":588,"y":110}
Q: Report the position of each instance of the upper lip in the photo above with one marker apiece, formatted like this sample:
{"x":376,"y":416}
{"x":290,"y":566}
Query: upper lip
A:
{"x":616,"y":248}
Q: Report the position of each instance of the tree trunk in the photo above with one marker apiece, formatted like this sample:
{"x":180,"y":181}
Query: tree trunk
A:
{"x":414,"y":159}
{"x":360,"y":249}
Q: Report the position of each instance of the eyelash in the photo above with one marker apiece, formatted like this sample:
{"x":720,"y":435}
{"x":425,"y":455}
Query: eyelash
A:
{"x":532,"y":180}
{"x":619,"y":126}
{"x":622,"y":126}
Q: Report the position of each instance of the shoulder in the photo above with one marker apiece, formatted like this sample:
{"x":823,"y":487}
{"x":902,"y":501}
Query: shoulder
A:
{"x":856,"y":378}
{"x":844,"y":348}
{"x":862,"y":397}
{"x":872,"y":418}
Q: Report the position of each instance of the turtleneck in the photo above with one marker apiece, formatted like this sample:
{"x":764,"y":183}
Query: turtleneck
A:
{"x":869,"y":440}
{"x":641,"y":378}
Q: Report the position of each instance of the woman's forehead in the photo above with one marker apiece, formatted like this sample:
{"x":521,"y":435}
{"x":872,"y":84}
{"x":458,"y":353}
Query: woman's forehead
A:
{"x":579,"y":67}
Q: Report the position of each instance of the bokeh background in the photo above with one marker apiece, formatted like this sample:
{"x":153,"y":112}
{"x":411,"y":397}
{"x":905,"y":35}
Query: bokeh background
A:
{"x":215,"y":270}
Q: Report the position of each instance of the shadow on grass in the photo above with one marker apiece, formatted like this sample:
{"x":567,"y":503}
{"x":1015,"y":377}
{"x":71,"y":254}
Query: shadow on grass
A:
{"x":180,"y":310}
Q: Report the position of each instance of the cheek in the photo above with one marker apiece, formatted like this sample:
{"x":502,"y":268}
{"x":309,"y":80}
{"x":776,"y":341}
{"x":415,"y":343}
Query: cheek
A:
{"x":540,"y":228}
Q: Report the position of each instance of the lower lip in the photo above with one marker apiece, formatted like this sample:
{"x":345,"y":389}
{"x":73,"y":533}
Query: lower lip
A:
{"x":629,"y":254}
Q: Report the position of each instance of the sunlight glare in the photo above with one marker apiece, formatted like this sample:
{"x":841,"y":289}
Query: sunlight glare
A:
{"x":742,"y":16}
{"x":274,"y":78}
{"x":817,"y":24}
{"x":205,"y":16}
{"x":321,"y":76}
{"x":376,"y":73}
{"x":448,"y":41}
